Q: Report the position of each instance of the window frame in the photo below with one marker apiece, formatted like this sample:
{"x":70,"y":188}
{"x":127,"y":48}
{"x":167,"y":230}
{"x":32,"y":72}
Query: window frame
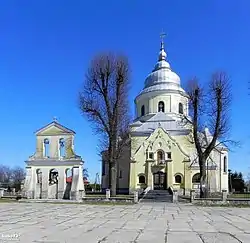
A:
{"x":144,"y":179}
{"x":161,"y":109}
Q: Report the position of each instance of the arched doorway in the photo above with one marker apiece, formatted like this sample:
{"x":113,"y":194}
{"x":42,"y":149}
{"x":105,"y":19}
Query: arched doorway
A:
{"x":53,"y":184}
{"x":39,"y":183}
{"x":69,"y":177}
{"x":159,"y":179}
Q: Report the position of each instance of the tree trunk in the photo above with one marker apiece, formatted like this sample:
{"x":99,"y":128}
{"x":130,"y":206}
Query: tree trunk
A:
{"x":112,"y":167}
{"x":113,"y":177}
{"x":203,"y":190}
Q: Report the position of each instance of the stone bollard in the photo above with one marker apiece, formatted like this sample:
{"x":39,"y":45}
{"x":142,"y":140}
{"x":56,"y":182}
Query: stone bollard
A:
{"x":224,"y":195}
{"x":175,"y":196}
{"x":136,"y":197}
{"x":192,"y":194}
{"x":60,"y":194}
{"x":107,"y":194}
{"x":1,"y":192}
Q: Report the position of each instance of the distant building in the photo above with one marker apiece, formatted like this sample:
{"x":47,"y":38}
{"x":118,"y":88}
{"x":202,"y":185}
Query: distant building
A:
{"x":160,"y":152}
{"x":53,"y":162}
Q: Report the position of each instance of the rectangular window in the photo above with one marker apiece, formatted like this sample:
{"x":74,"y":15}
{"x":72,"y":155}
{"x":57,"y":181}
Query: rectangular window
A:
{"x":120,"y":174}
{"x":169,"y":155}
{"x":151,"y":155}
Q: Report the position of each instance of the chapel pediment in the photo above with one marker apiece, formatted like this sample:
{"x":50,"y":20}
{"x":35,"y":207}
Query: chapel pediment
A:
{"x":54,"y":128}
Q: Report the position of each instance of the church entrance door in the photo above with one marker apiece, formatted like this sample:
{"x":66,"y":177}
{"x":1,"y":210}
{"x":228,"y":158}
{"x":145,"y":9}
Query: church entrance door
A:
{"x":159,"y":180}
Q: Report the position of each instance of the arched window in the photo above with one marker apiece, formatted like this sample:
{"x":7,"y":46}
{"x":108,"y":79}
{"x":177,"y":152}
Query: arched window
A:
{"x":142,"y":179}
{"x":196,"y":178}
{"x":46,"y":147}
{"x":38,"y":176}
{"x":53,"y":176}
{"x":69,"y":175}
{"x":178,"y":179}
{"x":160,"y":156}
{"x":161,"y":106}
{"x":225,"y":164}
{"x":61,"y":147}
{"x":143,"y":110}
{"x":180,"y":108}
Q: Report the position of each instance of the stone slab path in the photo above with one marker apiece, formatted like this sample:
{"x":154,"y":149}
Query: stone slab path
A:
{"x":152,"y":222}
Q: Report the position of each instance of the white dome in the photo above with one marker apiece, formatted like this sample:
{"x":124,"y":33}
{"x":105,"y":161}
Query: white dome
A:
{"x":162,"y":77}
{"x":162,"y":74}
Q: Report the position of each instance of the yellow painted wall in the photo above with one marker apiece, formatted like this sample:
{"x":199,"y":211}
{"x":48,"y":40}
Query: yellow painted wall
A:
{"x":54,"y":134}
{"x":161,"y":140}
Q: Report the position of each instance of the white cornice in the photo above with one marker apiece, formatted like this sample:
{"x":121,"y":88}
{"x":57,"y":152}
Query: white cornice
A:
{"x":52,"y":163}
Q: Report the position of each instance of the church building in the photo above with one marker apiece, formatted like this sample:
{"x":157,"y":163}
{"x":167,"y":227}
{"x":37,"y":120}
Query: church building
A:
{"x":161,"y":152}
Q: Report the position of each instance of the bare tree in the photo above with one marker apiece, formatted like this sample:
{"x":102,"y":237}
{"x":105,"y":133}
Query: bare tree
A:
{"x":210,"y":107}
{"x":104,"y":100}
{"x":5,"y":174}
{"x":18,"y":175}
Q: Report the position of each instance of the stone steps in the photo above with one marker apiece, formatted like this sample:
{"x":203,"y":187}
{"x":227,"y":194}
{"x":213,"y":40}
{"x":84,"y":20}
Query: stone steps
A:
{"x":157,"y":196}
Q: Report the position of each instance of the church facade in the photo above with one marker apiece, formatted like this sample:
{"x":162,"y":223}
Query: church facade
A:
{"x":53,"y":163}
{"x":161,"y":152}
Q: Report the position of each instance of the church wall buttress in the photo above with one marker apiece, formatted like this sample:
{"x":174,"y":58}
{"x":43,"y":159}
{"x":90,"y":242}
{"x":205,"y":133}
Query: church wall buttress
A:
{"x":132,"y":177}
{"x":45,"y":182}
{"x":187,"y":177}
{"x":149,"y":176}
{"x":39,"y":147}
{"x":69,"y":147}
{"x":170,"y":174}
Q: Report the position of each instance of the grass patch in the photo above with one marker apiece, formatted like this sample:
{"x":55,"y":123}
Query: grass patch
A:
{"x":246,"y":195}
{"x":7,"y":200}
{"x":104,"y":196}
{"x":109,"y":203}
{"x":223,"y":205}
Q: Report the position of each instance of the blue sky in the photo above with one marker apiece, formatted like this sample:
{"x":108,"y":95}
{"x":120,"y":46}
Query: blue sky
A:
{"x":46,"y":47}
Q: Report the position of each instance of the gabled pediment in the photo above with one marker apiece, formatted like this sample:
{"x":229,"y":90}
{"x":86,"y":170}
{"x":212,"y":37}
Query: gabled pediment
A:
{"x":160,"y":138}
{"x":54,"y":128}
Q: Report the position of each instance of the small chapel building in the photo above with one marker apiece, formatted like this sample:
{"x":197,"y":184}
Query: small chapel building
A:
{"x":54,"y":171}
{"x":161,"y":152}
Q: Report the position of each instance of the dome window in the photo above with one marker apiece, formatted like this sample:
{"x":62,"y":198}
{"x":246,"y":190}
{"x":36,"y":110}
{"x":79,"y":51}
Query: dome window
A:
{"x":143,"y":110}
{"x":180,"y":108}
{"x":161,"y":106}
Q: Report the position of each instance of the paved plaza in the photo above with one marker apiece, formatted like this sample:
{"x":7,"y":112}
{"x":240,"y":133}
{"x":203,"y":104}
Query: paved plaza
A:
{"x":151,"y":222}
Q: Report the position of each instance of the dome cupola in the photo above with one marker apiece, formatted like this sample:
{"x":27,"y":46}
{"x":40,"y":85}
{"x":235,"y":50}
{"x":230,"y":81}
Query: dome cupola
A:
{"x":162,"y":77}
{"x":162,"y":92}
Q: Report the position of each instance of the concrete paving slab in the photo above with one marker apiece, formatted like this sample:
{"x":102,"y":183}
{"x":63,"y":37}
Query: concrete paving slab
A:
{"x":151,"y":222}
